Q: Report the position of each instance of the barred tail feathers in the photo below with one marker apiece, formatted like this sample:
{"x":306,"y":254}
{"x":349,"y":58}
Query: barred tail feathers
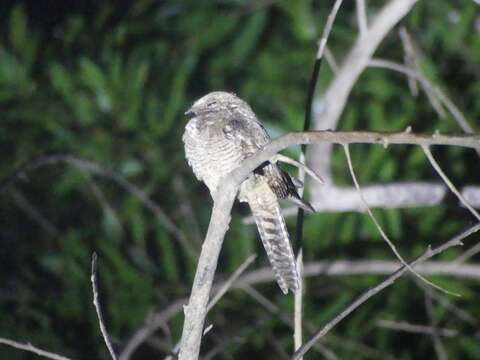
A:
{"x":273,"y":232}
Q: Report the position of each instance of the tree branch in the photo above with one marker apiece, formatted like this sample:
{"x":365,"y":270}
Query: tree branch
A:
{"x":356,"y":61}
{"x":96,"y":303}
{"x":456,"y":241}
{"x":196,"y":310}
{"x":30,"y":348}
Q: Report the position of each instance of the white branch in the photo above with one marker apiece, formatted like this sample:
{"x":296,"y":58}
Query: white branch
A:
{"x":196,"y":310}
{"x":96,"y":303}
{"x":362,"y":17}
{"x":356,"y":61}
{"x":455,"y":241}
{"x":30,"y":348}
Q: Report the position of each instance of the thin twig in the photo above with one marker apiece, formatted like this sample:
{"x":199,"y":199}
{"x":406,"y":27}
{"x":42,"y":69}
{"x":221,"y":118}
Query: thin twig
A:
{"x":409,"y":59}
{"x":353,"y":65}
{"x":299,"y":165}
{"x":437,"y":343}
{"x":223,"y":289}
{"x":225,"y":196}
{"x":99,"y":170}
{"x":474,"y":250}
{"x":30,"y":348}
{"x":414,"y":328}
{"x":96,"y":303}
{"x":380,"y":230}
{"x":311,"y":269}
{"x":32,"y":212}
{"x":362,"y":17}
{"x":455,"y":241}
{"x":298,"y":308}
{"x":447,"y":181}
{"x":322,"y":45}
{"x":231,"y":280}
{"x":331,"y":61}
{"x":429,"y":87}
{"x":449,"y":305}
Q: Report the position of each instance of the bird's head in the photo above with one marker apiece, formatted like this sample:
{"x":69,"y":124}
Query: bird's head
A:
{"x":217,"y":102}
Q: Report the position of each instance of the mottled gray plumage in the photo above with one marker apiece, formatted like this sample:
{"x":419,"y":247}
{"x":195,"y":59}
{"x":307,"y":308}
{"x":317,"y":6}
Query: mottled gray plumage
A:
{"x":222,"y":132}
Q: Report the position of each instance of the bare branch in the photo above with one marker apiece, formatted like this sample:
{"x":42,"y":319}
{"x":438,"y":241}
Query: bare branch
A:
{"x":224,"y":197}
{"x":99,"y":170}
{"x":356,"y":61}
{"x":231,"y":280}
{"x":30,"y":348}
{"x":409,"y":59}
{"x":429,"y":89}
{"x":380,"y":230}
{"x":437,"y":343}
{"x":301,"y":166}
{"x":311,"y":269}
{"x":414,"y":328}
{"x":447,"y":181}
{"x":328,"y":28}
{"x":32,"y":212}
{"x":362,"y":17}
{"x":472,"y":195}
{"x":96,"y":303}
{"x":456,"y":241}
{"x":298,"y":314}
{"x":331,"y":61}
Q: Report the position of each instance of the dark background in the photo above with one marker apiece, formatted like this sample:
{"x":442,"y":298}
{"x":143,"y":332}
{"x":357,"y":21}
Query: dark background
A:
{"x":108,"y":82}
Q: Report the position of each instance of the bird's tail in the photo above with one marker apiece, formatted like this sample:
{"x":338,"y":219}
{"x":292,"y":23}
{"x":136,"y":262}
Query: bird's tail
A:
{"x":273,"y":232}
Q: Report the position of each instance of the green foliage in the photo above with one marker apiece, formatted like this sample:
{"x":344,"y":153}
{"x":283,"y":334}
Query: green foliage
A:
{"x":109,"y":82}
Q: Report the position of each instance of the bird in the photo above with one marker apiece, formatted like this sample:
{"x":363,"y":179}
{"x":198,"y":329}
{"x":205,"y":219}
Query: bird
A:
{"x":222,"y":131}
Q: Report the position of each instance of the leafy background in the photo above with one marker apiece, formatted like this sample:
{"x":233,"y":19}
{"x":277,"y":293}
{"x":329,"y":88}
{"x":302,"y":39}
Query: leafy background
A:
{"x":109,"y":81}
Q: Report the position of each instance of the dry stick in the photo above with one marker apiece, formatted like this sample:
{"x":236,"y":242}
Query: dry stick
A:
{"x":317,"y":268}
{"x":97,"y":169}
{"x":428,"y":87}
{"x":437,"y":343}
{"x":96,"y":303}
{"x":456,"y":241}
{"x":197,"y":308}
{"x":382,"y":233}
{"x":409,"y":59}
{"x":449,"y":305}
{"x":414,"y":328}
{"x":393,"y":195}
{"x":331,"y":61}
{"x":221,"y":291}
{"x":30,"y":348}
{"x":35,"y":214}
{"x":274,"y":309}
{"x":231,"y":280}
{"x":468,"y":254}
{"x":223,"y":200}
{"x":298,"y":305}
{"x":357,"y":60}
{"x":301,"y":167}
{"x":362,"y":17}
{"x":297,"y":334}
{"x":447,"y":181}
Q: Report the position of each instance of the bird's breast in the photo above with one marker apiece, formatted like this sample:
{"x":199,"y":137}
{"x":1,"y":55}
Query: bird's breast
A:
{"x":210,"y":154}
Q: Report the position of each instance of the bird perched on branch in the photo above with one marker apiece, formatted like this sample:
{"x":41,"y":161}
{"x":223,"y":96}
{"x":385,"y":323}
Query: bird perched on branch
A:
{"x":223,"y":131}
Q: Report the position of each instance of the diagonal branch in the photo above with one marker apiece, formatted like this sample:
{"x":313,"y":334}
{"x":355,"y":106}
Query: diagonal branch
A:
{"x":30,"y":348}
{"x":96,"y":303}
{"x":455,"y":241}
{"x":380,"y":230}
{"x":355,"y":63}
